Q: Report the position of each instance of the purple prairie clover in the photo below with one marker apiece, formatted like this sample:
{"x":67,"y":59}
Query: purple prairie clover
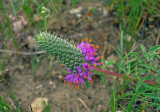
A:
{"x":78,"y":59}
{"x":84,"y":71}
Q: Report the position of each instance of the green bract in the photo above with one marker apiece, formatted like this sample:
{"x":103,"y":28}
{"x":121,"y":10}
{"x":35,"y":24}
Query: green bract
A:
{"x":62,"y":50}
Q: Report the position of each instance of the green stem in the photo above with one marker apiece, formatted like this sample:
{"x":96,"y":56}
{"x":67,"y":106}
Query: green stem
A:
{"x":9,"y":25}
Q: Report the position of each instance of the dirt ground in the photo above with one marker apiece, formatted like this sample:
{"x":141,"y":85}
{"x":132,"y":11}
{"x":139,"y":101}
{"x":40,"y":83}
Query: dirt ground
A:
{"x":46,"y":81}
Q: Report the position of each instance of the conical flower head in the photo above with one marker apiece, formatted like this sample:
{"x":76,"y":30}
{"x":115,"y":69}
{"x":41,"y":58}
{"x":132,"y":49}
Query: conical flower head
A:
{"x":63,"y":50}
{"x":78,"y":60}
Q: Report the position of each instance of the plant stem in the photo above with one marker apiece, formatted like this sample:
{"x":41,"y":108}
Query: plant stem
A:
{"x":122,"y":76}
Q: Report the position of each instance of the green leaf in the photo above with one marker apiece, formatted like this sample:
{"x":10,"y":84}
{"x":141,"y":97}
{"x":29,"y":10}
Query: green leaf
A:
{"x":143,"y":49}
{"x":139,"y":84}
{"x":149,"y":67}
{"x":154,"y":49}
{"x":158,"y":107}
{"x":133,"y":65}
{"x":149,"y":87}
{"x":116,"y":50}
{"x":5,"y":105}
{"x":142,"y":71}
{"x":102,"y":78}
{"x":96,"y":72}
{"x":113,"y":99}
{"x":122,"y":68}
{"x":158,"y":74}
{"x":123,"y":108}
{"x":75,"y":2}
{"x":87,"y":84}
{"x":151,"y":96}
{"x":45,"y":107}
{"x":121,"y":44}
{"x":104,"y":61}
{"x":110,"y":62}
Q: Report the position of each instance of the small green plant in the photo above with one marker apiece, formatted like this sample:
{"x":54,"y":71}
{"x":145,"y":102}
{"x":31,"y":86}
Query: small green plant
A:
{"x":45,"y":13}
{"x":2,"y":67}
{"x":34,"y":64}
{"x":56,"y":7}
{"x":26,"y":5}
{"x":142,"y":67}
{"x":4,"y":106}
{"x":46,"y":107}
{"x":133,"y":14}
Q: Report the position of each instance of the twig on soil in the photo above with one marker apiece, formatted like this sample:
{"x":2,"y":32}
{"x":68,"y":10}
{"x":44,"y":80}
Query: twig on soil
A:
{"x":83,"y":104}
{"x":77,"y":107}
{"x":122,"y":76}
{"x":14,"y":68}
{"x":11,"y":69}
{"x":23,"y":53}
{"x":31,"y":89}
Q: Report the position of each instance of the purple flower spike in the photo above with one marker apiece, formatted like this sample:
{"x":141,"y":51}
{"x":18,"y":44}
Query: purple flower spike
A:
{"x":83,"y":71}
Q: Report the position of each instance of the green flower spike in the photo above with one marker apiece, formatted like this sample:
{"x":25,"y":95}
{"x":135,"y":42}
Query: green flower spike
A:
{"x":61,"y":49}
